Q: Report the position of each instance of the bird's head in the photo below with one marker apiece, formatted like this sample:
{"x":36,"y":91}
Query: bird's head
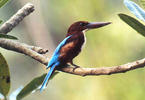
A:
{"x":81,"y":26}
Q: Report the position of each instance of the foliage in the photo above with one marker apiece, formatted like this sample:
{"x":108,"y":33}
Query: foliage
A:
{"x":4,"y":76}
{"x":34,"y":84}
{"x":138,"y":12}
{"x":8,"y":36}
{"x":1,"y":21}
{"x":135,"y":24}
{"x":3,"y":2}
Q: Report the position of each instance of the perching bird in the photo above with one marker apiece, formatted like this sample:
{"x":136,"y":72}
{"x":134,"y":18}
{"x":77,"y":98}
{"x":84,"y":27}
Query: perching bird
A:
{"x":70,"y":47}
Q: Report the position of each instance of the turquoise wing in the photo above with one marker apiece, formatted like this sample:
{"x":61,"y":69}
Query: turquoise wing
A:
{"x":55,"y":56}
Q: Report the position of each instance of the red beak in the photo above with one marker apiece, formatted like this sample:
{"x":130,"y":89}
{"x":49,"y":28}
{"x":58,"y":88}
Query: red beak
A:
{"x":97,"y":24}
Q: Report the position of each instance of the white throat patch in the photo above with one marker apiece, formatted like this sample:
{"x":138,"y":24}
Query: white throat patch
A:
{"x":85,"y":30}
{"x":84,"y":39}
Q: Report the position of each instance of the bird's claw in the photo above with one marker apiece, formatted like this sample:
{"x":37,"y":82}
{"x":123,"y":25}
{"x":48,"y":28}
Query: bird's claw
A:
{"x":75,"y":67}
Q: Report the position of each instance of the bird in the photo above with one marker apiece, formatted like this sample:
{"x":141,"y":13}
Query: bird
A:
{"x":70,"y":47}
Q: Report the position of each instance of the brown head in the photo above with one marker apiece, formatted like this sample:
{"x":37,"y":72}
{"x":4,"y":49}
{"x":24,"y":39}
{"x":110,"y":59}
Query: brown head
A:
{"x":80,"y":26}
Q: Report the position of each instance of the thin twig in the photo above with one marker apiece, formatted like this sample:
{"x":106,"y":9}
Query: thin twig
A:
{"x":36,"y":49}
{"x":17,"y":18}
{"x":18,"y":47}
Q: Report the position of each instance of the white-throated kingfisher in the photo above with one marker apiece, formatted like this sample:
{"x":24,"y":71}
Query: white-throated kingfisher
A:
{"x":70,"y":47}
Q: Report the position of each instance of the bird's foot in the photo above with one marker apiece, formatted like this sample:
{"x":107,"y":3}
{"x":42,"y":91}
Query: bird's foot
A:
{"x":75,"y":66}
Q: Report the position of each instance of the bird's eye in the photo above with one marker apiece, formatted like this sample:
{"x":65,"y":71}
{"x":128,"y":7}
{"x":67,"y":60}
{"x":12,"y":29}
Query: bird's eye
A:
{"x":82,"y":24}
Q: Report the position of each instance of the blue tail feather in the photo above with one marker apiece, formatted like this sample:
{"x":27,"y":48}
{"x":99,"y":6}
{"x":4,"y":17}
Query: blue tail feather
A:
{"x":47,"y":77}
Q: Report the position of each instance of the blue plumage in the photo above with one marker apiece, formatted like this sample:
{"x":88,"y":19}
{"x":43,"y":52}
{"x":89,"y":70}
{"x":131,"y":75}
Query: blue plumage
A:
{"x":48,"y":76}
{"x":53,"y":62}
{"x":56,"y":54}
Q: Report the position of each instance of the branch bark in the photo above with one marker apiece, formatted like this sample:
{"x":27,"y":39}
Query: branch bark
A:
{"x":5,"y":43}
{"x":23,"y":48}
{"x":106,"y":70}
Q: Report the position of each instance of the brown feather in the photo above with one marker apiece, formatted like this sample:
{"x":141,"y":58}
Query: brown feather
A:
{"x":72,"y":48}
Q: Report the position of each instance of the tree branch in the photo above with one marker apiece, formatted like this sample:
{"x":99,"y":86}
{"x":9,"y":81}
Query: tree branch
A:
{"x":17,"y":18}
{"x":36,"y":49}
{"x":106,"y":70}
{"x":5,"y":43}
{"x":24,"y":49}
{"x":21,"y":48}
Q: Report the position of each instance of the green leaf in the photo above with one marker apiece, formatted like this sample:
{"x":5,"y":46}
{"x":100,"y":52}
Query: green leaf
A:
{"x":7,"y":36}
{"x":3,"y":2}
{"x":33,"y":85}
{"x":135,"y":24}
{"x":1,"y":21}
{"x":4,"y":76}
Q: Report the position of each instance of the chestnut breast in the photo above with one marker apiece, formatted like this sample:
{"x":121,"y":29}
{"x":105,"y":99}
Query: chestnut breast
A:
{"x":72,"y":48}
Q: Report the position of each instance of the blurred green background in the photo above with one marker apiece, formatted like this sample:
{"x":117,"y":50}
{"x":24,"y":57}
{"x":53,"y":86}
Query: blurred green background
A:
{"x":114,"y":44}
